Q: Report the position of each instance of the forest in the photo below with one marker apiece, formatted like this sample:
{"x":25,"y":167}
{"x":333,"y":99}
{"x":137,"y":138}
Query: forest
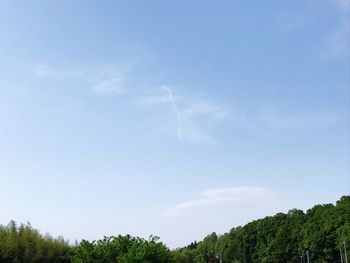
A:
{"x":322,"y":234}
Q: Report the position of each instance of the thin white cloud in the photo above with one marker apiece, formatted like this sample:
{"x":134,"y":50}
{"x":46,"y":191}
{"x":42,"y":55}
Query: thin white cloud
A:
{"x":42,"y":71}
{"x":100,"y":80}
{"x":46,"y":71}
{"x":201,"y":118}
{"x":152,"y":100}
{"x":195,"y":133}
{"x":273,"y":119}
{"x":108,"y":85}
{"x":337,"y":42}
{"x":223,"y":196}
{"x":207,"y":109}
{"x":109,"y":80}
{"x":343,"y":4}
{"x":176,"y":111}
{"x":196,"y":118}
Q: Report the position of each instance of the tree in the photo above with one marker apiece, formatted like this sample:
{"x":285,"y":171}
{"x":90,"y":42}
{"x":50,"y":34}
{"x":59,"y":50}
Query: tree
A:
{"x":122,"y":249}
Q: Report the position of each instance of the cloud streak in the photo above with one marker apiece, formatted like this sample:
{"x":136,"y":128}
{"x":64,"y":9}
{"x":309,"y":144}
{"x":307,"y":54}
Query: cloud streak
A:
{"x":208,"y":110}
{"x":108,"y":85}
{"x":343,"y":4}
{"x":222,"y":196}
{"x":176,"y":111}
{"x":337,"y":42}
{"x":45,"y":71}
{"x":100,"y":80}
{"x":194,"y":121}
{"x":196,"y":118}
{"x":274,"y":120}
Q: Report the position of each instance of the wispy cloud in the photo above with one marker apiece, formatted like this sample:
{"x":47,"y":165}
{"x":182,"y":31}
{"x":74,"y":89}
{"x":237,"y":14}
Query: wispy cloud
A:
{"x":343,"y":4}
{"x":338,"y":41}
{"x":188,"y":116}
{"x":201,"y":118}
{"x":195,"y":117}
{"x":109,"y":80}
{"x":176,"y":111}
{"x":101,"y":80}
{"x":108,"y":85}
{"x":46,"y":71}
{"x":152,"y":100}
{"x":42,"y":71}
{"x":222,"y":196}
{"x":272,"y":119}
{"x":207,"y":109}
{"x":337,"y":44}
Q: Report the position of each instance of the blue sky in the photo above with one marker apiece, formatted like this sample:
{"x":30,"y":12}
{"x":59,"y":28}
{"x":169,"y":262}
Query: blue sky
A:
{"x":173,"y":118}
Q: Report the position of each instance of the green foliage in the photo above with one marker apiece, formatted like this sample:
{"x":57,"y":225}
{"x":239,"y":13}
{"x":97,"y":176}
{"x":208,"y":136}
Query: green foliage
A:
{"x":23,"y":244}
{"x":122,"y":249}
{"x":206,"y":248}
{"x":322,"y":231}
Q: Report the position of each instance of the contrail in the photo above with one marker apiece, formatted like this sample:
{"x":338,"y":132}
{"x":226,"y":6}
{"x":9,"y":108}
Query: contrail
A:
{"x":178,"y":115}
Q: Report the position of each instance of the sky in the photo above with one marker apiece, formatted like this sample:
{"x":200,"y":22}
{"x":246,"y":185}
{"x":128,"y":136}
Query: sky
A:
{"x":172,"y":118}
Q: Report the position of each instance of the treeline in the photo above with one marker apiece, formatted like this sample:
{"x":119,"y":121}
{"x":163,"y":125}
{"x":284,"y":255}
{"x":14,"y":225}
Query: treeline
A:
{"x":23,"y":244}
{"x":322,"y":234}
{"x":122,"y":249}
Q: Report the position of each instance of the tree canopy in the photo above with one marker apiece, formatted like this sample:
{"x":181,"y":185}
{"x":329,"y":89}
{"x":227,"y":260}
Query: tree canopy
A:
{"x":322,"y":234}
{"x":22,"y":243}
